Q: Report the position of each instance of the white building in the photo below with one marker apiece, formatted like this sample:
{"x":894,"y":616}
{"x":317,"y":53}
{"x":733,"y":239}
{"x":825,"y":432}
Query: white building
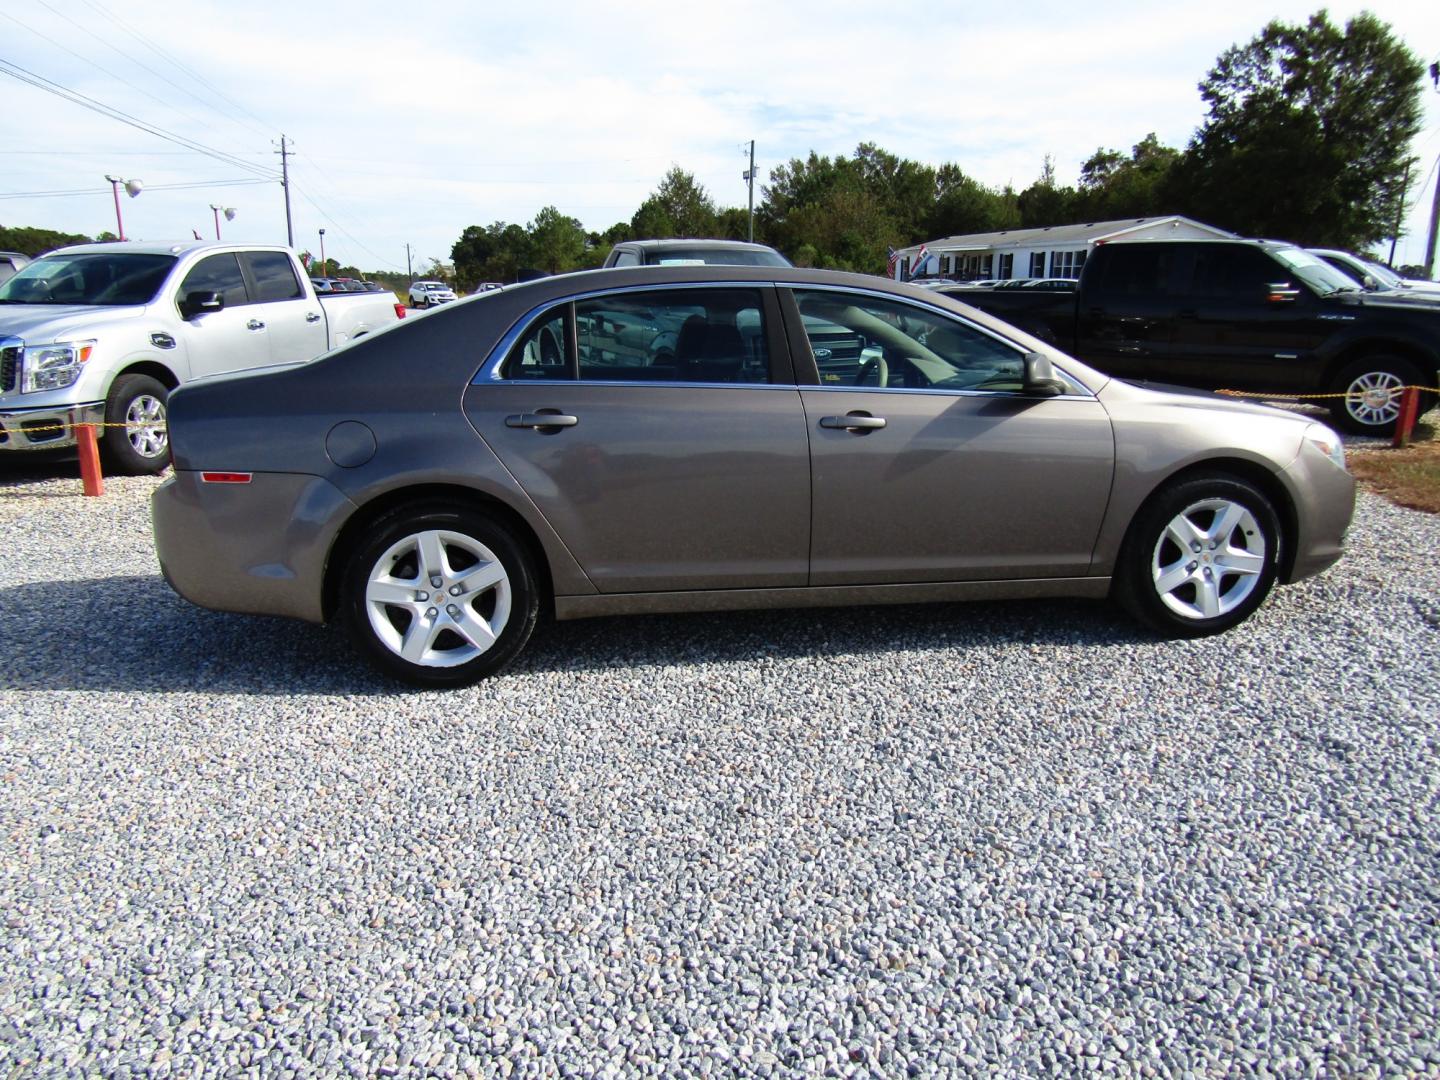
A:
{"x":1057,"y":251}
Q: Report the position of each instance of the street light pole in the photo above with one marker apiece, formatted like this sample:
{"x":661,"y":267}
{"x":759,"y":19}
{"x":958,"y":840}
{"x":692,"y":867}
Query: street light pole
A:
{"x":323,"y":272}
{"x":132,"y":188}
{"x":229,"y":212}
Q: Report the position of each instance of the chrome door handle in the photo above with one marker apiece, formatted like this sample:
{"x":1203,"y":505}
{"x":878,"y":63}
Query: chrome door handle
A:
{"x":856,"y":422}
{"x":312,"y":316}
{"x":541,"y":420}
{"x":255,"y":324}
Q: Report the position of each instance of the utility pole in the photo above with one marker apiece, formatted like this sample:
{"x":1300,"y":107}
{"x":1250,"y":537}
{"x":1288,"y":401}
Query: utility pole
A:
{"x":750,"y":182}
{"x":1435,"y":203}
{"x":1399,"y":216}
{"x":284,"y":153}
{"x":408,"y":269}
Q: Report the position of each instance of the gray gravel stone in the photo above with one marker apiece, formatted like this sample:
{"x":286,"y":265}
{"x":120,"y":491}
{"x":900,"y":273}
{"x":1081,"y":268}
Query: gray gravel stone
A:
{"x":1020,"y":839}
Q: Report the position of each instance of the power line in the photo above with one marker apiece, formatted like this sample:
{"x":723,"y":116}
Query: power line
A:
{"x":344,"y":231}
{"x":180,"y":65}
{"x":24,"y":75}
{"x":148,"y":187}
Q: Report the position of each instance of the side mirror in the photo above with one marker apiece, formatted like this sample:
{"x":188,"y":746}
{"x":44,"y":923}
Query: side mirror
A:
{"x":201,"y":303}
{"x":1370,"y":283}
{"x":1040,"y":380}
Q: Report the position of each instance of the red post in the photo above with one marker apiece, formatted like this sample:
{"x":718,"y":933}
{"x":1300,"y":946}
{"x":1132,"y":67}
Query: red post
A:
{"x":89,"y":459}
{"x":1409,"y":412}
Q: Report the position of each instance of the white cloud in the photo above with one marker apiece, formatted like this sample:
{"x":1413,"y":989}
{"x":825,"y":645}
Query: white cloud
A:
{"x":409,"y":128}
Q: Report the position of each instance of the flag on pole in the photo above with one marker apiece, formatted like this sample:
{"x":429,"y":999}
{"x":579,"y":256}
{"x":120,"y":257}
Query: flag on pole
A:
{"x":306,"y":259}
{"x":918,"y":264}
{"x":891,"y":258}
{"x":196,"y":232}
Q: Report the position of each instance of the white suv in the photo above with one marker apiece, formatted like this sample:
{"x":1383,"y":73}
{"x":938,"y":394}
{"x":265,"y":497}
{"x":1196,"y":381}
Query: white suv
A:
{"x":429,"y":293}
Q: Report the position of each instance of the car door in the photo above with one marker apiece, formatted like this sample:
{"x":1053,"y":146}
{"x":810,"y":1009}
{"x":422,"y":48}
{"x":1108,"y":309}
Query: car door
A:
{"x":231,"y":339}
{"x":931,"y":464}
{"x":293,"y":320}
{"x":1127,"y":307}
{"x":680,"y":463}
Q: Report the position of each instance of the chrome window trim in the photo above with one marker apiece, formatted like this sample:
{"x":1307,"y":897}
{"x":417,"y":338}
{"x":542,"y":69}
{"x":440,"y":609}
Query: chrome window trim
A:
{"x":1015,"y":394}
{"x":490,"y":368}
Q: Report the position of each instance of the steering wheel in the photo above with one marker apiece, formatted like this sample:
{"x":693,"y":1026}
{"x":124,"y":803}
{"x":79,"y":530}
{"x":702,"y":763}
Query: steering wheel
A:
{"x":549,"y":347}
{"x":876,"y":364}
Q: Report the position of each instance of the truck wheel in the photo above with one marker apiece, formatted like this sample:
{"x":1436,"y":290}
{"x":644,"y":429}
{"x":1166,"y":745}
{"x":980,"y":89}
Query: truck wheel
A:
{"x":439,"y":595}
{"x":136,"y":440}
{"x":1373,"y":387}
{"x":1200,"y":556}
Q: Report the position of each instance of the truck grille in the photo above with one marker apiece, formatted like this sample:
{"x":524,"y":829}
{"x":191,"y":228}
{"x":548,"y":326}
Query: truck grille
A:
{"x":9,"y":368}
{"x":836,"y":354}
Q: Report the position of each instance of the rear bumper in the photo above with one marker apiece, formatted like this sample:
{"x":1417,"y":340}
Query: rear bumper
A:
{"x":258,"y":548}
{"x":46,"y":427}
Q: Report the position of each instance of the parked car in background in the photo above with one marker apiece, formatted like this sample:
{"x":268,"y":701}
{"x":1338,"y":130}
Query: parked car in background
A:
{"x":424,"y":294}
{"x":1249,"y":315}
{"x":1052,"y":284}
{"x":487,"y":286}
{"x":104,"y":332}
{"x":535,"y":465}
{"x":693,"y":253}
{"x":1374,"y":277}
{"x":934,"y":283}
{"x":10,"y":263}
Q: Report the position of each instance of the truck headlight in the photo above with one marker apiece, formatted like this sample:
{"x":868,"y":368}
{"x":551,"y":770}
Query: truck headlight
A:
{"x":54,"y":367}
{"x":1327,"y":442}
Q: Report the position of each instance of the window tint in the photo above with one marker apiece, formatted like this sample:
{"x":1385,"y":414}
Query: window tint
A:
{"x":1233,"y":273}
{"x":1138,"y":271}
{"x":219,"y":274}
{"x":626,"y":258}
{"x":540,"y":352}
{"x":684,"y":335}
{"x":274,"y":276}
{"x":867,"y":341}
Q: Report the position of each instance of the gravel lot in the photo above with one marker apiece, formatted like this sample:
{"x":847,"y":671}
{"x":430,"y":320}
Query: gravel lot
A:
{"x":1016,"y":839}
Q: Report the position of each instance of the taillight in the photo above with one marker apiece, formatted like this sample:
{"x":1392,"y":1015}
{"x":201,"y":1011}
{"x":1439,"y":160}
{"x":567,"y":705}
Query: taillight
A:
{"x":399,"y":311}
{"x":226,"y":477}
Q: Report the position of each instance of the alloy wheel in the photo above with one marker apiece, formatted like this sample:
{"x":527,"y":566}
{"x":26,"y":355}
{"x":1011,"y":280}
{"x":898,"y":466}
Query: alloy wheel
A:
{"x":1208,"y":559}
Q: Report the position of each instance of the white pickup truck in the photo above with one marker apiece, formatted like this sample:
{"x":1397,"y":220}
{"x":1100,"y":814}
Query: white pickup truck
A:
{"x":104,"y":332}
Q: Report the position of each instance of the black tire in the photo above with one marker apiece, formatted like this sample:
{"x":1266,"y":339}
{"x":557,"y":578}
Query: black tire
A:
{"x":1360,"y":416}
{"x":1150,"y":548}
{"x":139,"y":451}
{"x":391,"y":551}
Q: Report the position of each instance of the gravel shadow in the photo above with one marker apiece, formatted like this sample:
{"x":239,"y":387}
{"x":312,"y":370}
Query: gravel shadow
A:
{"x":135,"y":634}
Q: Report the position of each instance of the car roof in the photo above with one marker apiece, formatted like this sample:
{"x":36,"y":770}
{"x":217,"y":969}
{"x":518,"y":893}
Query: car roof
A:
{"x":147,"y":247}
{"x":712,"y":245}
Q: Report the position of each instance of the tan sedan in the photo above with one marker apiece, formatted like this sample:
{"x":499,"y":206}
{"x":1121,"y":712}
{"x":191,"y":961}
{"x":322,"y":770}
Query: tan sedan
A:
{"x":765,"y":437}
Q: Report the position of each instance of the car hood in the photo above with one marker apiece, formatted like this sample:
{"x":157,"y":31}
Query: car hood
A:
{"x":56,"y":322}
{"x":1191,"y":399}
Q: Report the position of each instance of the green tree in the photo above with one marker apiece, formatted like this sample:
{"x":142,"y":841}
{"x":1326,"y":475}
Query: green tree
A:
{"x":493,"y":252}
{"x":557,"y":242}
{"x":1045,"y":202}
{"x":1114,"y":186}
{"x":32,"y":241}
{"x":1308,"y":133}
{"x":678,"y":207}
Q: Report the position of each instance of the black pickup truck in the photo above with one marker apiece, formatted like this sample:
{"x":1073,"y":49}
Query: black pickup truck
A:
{"x":1251,"y":315}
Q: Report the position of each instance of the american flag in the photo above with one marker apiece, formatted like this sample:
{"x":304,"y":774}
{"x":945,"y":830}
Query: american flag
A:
{"x":891,"y":258}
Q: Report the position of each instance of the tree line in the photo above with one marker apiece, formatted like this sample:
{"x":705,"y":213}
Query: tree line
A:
{"x":1306,"y":139}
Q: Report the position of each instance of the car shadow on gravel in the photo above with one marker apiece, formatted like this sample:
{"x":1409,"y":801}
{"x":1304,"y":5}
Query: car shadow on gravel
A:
{"x":135,"y":634}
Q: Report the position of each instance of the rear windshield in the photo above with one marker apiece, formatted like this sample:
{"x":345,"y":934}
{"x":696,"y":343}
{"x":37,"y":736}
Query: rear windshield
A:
{"x":96,"y":279}
{"x":713,"y":257}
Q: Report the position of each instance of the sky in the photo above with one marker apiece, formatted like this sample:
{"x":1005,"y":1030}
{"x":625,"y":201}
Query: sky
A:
{"x":410,"y":122}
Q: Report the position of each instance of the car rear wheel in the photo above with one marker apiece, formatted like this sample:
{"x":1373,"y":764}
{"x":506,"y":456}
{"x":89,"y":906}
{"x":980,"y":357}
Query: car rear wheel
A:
{"x":1373,"y":389}
{"x":137,"y":439}
{"x":440,"y":596}
{"x":1201,"y":556}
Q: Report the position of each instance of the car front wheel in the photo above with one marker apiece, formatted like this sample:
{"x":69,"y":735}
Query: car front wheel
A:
{"x":440,"y":596}
{"x":137,"y":438}
{"x":1373,"y":388}
{"x":1200,"y":557}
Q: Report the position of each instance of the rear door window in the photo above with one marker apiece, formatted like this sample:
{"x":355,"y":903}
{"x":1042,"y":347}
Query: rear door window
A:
{"x":274,"y":276}
{"x":1138,"y":272}
{"x":681,"y":335}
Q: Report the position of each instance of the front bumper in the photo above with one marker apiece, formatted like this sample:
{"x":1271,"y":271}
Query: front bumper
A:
{"x":46,"y":427}
{"x":258,"y":548}
{"x":1324,"y":501}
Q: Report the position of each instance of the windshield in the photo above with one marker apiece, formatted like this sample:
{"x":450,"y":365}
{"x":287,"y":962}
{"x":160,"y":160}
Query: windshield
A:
{"x":1384,"y":275}
{"x":714,"y":257}
{"x":436,"y":288}
{"x":1315,"y":272}
{"x":97,"y":279}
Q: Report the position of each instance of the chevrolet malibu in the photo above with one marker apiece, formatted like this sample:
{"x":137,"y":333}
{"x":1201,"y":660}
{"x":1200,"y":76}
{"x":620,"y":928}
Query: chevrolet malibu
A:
{"x":705,"y":438}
